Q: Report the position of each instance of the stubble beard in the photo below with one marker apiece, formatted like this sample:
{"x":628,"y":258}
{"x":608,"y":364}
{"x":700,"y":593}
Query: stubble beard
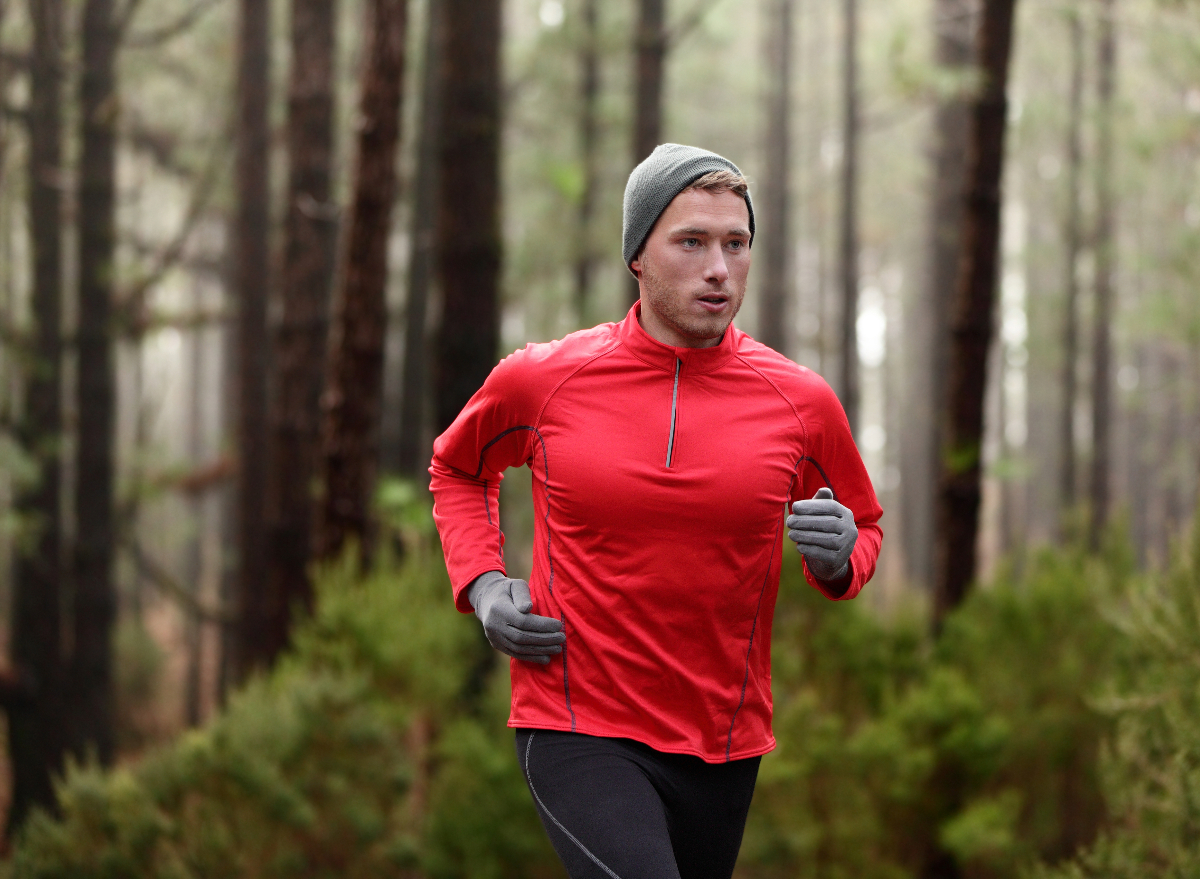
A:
{"x":665,"y":301}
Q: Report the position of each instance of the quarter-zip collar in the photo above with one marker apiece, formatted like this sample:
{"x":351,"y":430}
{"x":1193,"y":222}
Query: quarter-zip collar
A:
{"x":691,"y":361}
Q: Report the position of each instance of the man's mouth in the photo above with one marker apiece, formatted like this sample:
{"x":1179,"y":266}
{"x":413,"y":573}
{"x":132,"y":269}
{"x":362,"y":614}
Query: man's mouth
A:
{"x":714,"y":302}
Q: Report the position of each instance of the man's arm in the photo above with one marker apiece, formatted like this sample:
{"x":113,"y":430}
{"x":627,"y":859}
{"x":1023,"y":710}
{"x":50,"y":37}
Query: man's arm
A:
{"x":492,"y":433}
{"x":469,"y":461}
{"x":835,"y":513}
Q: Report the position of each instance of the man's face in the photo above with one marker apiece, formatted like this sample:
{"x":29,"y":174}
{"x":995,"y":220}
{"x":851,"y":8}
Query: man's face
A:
{"x":692,"y":270}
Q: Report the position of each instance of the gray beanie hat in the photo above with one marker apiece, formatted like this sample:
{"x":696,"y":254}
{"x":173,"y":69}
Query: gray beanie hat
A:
{"x":665,"y":173}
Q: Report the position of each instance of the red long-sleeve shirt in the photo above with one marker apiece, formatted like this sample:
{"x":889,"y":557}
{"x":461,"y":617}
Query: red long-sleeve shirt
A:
{"x":661,"y":477}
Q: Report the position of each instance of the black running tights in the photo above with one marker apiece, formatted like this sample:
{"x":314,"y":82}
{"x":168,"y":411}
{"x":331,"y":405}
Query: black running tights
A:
{"x":618,"y":809}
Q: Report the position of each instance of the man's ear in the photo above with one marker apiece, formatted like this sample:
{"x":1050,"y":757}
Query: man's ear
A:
{"x":636,"y":265}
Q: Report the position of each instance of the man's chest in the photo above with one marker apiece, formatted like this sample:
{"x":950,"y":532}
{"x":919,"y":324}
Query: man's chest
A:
{"x":652,"y":450}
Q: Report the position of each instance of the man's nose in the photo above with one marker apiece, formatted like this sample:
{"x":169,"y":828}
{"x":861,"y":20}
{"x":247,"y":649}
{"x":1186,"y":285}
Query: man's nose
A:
{"x":715,"y":268}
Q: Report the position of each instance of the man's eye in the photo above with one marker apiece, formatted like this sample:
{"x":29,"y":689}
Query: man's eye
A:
{"x":690,"y":242}
{"x":736,"y":244}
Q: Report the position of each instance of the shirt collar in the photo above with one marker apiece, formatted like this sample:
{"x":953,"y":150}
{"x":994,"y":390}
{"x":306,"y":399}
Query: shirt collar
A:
{"x":661,"y":356}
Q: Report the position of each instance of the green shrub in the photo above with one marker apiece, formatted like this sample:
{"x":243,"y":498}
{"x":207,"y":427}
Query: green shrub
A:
{"x":896,"y":755}
{"x":358,"y":756}
{"x":1052,"y":731}
{"x":1152,"y":773}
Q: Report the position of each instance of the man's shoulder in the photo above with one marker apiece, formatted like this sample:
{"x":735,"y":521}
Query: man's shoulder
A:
{"x":789,"y":377}
{"x":542,"y":365}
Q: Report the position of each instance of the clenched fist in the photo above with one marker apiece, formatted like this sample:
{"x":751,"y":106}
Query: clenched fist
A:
{"x":505,"y":609}
{"x":824,"y":532}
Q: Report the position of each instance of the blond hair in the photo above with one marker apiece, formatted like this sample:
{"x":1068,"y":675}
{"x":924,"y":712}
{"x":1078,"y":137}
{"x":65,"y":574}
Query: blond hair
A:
{"x":721,"y":181}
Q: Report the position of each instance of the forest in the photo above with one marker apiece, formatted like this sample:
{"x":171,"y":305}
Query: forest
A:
{"x":256,"y":256}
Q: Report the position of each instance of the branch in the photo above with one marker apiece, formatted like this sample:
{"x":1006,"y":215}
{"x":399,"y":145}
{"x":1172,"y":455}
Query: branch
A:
{"x":192,"y":320}
{"x":154,"y":38}
{"x":124,"y":18}
{"x":17,"y":114}
{"x":197,"y":480}
{"x":133,"y":301}
{"x":160,"y":577}
{"x":688,"y":23}
{"x":18,"y":60}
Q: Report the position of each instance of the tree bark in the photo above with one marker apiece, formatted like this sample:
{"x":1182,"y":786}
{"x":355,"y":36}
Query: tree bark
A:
{"x":35,"y":740}
{"x":468,"y":232}
{"x":953,"y":53}
{"x":354,"y":385}
{"x":194,"y":572}
{"x":310,"y":230}
{"x":589,"y":147}
{"x":1072,"y":242}
{"x":1105,"y":270}
{"x":650,"y":55}
{"x":849,"y":217}
{"x":972,"y":317}
{"x":95,"y":600}
{"x":414,"y":453}
{"x":776,"y":197}
{"x":251,"y":281}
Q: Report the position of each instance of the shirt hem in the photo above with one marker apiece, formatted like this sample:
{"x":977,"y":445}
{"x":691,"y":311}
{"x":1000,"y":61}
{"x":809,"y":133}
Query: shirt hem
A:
{"x":720,"y":757}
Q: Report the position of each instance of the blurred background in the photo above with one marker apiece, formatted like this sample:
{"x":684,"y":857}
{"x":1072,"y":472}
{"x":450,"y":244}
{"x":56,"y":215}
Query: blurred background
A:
{"x":254,"y":256}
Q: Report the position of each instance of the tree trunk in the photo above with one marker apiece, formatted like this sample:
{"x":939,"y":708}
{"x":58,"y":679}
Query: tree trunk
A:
{"x":194,"y":571}
{"x":972,"y":317}
{"x":1105,"y":270}
{"x":589,"y":147}
{"x":650,"y":55}
{"x":953,"y":53}
{"x":468,"y":235}
{"x":1072,"y":236}
{"x":849,"y":217}
{"x":251,"y":268}
{"x":310,"y":230}
{"x":354,"y":383}
{"x":414,"y":453}
{"x":35,"y":744}
{"x":777,"y":240}
{"x":95,"y":602}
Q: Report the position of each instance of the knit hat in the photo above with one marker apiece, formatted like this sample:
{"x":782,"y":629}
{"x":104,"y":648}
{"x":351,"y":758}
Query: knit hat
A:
{"x":665,"y":173}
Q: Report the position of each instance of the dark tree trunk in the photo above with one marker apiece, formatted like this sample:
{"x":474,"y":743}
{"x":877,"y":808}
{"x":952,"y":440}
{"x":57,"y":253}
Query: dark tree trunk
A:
{"x":589,"y":147}
{"x":95,"y":600}
{"x":972,"y":317}
{"x":953,"y":53}
{"x":468,"y":235}
{"x":193,"y":626}
{"x":1105,"y":270}
{"x":35,"y":743}
{"x":414,"y":453}
{"x":310,"y":230}
{"x":354,"y":383}
{"x":776,"y":239}
{"x":4,"y":75}
{"x":251,"y":266}
{"x":1072,"y":236}
{"x":650,"y":55}
{"x":849,"y":217}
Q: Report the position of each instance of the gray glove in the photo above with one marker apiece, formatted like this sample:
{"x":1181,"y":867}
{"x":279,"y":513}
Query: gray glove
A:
{"x":824,"y":532}
{"x":503,"y":606}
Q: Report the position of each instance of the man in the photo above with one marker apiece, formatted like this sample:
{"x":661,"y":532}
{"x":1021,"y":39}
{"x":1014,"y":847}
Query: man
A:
{"x":664,"y":451}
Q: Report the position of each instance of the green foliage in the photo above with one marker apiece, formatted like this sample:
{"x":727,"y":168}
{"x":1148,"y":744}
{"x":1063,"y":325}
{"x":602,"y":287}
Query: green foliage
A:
{"x":356,"y":757}
{"x":895,"y":755}
{"x":1153,"y":772}
{"x":139,"y":662}
{"x":1050,"y":732}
